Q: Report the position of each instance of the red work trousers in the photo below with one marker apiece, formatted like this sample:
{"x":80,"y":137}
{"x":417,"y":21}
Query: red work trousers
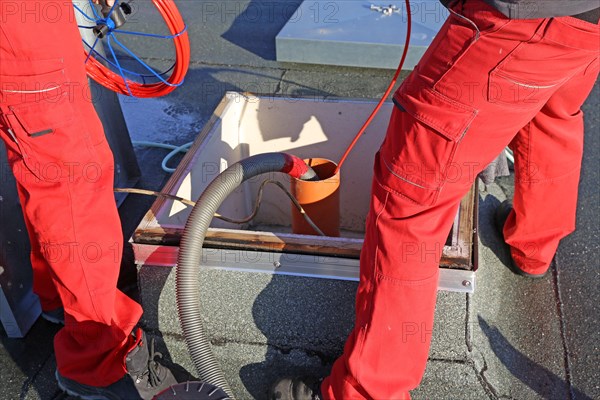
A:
{"x":64,"y":171}
{"x":485,"y":81}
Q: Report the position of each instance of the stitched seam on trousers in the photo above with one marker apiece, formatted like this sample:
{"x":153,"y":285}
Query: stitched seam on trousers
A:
{"x":396,"y":193}
{"x":535,"y":38}
{"x":577,"y":73}
{"x":371,"y":284}
{"x":553,"y":179}
{"x":451,"y":157}
{"x":433,"y":123}
{"x":571,"y":47}
{"x":407,"y":282}
{"x":528,"y":149}
{"x":514,"y":81}
{"x":450,"y":100}
{"x":3,"y":34}
{"x":389,"y":168}
{"x":83,"y":271}
{"x":5,"y":124}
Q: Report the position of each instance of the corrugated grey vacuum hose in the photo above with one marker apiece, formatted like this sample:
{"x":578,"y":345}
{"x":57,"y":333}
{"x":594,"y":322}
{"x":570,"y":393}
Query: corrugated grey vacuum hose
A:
{"x":190,"y":253}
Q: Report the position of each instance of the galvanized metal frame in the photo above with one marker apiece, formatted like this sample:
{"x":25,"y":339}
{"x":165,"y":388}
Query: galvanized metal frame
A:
{"x":311,"y":266}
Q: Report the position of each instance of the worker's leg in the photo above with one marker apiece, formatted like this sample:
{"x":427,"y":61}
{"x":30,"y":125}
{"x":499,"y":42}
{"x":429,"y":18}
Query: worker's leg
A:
{"x":43,"y":278}
{"x":407,"y":227}
{"x":482,"y":79}
{"x":64,"y":169}
{"x":548,"y":153}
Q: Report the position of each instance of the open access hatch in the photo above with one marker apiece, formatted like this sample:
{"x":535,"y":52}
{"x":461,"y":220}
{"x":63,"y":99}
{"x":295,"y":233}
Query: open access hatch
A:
{"x":244,"y":125}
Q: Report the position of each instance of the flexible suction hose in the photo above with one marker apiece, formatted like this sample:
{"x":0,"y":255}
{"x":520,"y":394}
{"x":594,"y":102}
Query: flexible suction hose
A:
{"x":190,"y":253}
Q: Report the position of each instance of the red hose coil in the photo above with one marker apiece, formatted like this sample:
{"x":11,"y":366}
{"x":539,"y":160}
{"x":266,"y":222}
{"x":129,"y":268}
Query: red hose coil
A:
{"x":115,"y":82}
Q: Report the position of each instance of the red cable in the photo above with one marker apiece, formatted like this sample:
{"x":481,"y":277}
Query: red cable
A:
{"x":115,"y":82}
{"x":385,"y":95}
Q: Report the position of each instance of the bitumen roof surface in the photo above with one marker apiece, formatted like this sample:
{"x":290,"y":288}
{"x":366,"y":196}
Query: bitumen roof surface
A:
{"x":513,"y":338}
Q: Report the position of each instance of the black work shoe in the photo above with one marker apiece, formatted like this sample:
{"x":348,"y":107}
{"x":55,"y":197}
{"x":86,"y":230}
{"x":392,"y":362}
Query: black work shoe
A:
{"x":297,"y":388}
{"x":500,"y":216}
{"x":56,"y":316}
{"x":144,"y":379}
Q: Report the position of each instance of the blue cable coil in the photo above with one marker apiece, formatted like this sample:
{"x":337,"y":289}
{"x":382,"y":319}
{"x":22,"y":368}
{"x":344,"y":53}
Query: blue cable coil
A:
{"x":110,"y":37}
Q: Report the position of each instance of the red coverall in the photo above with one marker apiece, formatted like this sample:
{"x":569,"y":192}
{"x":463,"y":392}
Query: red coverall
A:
{"x":485,"y":81}
{"x":64,"y":172}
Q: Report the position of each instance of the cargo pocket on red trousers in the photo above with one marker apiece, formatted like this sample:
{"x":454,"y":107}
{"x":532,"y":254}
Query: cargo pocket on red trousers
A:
{"x":40,"y":119}
{"x":40,"y":131}
{"x":424,"y":133}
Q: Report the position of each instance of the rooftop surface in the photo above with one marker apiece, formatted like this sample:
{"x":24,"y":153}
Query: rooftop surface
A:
{"x":512,"y":339}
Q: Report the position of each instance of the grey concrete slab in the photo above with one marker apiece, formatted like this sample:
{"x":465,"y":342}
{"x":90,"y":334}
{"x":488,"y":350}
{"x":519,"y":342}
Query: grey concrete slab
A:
{"x":43,"y":386}
{"x":178,"y":117}
{"x":514,"y":322}
{"x":449,"y":340}
{"x":578,"y":269}
{"x":359,"y":34}
{"x":11,"y":375}
{"x":450,"y":380}
{"x":251,"y":369}
{"x":287,"y":312}
{"x":340,"y":82}
{"x":232,"y":32}
{"x":236,"y":32}
{"x":28,"y":364}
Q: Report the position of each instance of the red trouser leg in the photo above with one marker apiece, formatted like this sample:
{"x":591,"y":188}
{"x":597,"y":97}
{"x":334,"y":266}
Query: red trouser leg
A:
{"x":64,"y":172}
{"x":481,"y":81}
{"x":43,"y":279}
{"x":548,"y":153}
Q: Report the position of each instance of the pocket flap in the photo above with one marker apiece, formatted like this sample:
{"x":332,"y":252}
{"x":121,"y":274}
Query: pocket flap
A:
{"x":449,"y":118}
{"x":43,"y":117}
